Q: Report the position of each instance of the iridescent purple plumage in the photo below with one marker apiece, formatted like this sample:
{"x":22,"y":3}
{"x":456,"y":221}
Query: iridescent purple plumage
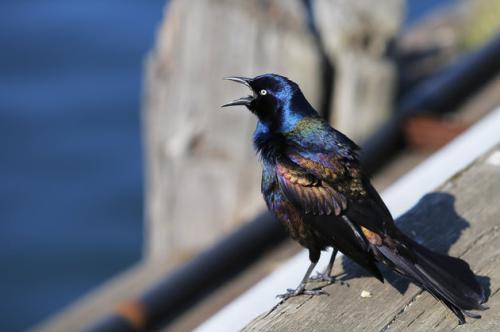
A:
{"x":313,"y":183}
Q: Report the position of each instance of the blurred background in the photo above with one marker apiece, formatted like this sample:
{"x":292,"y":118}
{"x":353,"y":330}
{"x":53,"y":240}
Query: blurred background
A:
{"x":71,"y":170}
{"x":93,"y":95}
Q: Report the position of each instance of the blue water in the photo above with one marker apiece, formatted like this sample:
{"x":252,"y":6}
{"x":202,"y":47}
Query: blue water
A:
{"x":415,"y":9}
{"x":71,"y":160}
{"x":70,"y":148}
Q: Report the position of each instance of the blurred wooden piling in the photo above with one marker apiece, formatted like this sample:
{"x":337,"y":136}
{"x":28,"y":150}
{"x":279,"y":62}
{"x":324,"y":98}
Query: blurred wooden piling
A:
{"x":202,"y":174}
{"x":452,"y":220}
{"x":358,"y":37}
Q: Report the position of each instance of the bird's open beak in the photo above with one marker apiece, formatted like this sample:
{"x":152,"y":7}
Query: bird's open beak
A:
{"x":245,"y":101}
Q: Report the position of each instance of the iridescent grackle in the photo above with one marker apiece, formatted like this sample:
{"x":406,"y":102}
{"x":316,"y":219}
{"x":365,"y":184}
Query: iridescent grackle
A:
{"x":313,"y":183}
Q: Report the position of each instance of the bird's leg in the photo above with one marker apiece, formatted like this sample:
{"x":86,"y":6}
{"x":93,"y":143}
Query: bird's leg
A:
{"x":301,"y":288}
{"x":326,"y":275}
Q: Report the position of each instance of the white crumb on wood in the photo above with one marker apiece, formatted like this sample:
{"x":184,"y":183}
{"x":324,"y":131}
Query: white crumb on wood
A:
{"x":366,"y":293}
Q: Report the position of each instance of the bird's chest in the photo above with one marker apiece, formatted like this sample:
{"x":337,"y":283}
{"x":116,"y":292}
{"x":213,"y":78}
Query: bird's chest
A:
{"x":291,"y":217}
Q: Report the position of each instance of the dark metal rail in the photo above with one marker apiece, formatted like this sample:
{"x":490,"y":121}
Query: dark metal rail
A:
{"x":439,"y":94}
{"x":198,"y":277}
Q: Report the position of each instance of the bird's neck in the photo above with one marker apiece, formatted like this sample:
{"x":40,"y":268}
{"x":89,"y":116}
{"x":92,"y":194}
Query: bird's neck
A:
{"x":268,"y":143}
{"x":294,"y":111}
{"x":270,"y":135}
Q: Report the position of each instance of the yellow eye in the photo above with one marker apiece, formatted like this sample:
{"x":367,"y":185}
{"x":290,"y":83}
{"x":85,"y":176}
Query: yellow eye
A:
{"x":263,"y":92}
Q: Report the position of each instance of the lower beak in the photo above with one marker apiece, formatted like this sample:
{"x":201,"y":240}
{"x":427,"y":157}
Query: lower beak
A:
{"x":245,"y":101}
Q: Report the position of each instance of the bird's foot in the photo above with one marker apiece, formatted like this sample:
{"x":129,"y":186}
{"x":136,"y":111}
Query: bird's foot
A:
{"x":324,"y":276}
{"x":300,"y":291}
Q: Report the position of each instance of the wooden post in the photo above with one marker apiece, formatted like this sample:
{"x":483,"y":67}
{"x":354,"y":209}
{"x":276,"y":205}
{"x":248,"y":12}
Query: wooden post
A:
{"x":203,"y":177}
{"x":357,"y":37}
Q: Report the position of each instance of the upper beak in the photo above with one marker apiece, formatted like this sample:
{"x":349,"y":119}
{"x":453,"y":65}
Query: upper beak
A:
{"x":245,"y":101}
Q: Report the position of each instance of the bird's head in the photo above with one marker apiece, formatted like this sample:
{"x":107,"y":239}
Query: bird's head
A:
{"x":275,"y":99}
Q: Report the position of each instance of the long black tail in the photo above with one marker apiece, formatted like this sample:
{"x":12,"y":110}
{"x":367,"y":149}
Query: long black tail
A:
{"x":448,"y":279}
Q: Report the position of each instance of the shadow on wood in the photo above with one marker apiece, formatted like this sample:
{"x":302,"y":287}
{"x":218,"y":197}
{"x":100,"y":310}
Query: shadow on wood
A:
{"x":438,"y":207}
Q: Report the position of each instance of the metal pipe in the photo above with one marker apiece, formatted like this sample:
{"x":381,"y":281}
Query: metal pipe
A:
{"x":198,"y":277}
{"x":439,"y":94}
{"x":113,"y":323}
{"x":212,"y":268}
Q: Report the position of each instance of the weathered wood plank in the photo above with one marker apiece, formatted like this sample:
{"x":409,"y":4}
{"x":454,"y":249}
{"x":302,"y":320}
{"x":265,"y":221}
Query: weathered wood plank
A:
{"x":460,"y":218}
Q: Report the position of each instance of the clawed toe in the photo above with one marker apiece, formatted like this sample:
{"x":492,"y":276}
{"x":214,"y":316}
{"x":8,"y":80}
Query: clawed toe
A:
{"x":322,"y":277}
{"x":300,"y":291}
{"x":289,"y":293}
{"x":292,"y":292}
{"x":315,"y":292}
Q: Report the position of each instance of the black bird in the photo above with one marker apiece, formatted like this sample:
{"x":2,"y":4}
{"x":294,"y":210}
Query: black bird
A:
{"x":313,"y":183}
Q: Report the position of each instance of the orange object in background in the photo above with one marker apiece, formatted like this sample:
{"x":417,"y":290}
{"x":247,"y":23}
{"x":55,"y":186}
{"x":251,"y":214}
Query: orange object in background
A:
{"x":429,"y":133}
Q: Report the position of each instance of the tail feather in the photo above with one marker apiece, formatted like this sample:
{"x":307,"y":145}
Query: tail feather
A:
{"x":448,"y":279}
